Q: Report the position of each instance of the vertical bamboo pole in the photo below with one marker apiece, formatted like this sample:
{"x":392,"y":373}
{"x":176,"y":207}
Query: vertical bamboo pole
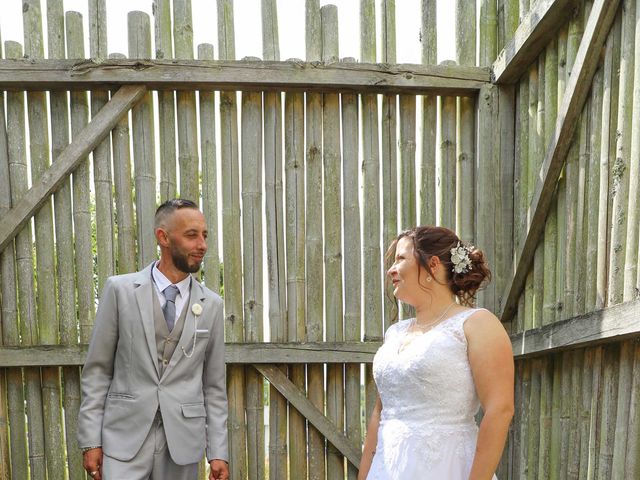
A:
{"x":314,"y":243}
{"x":511,"y":19}
{"x":143,"y":146}
{"x":407,"y":146}
{"x":333,"y":236}
{"x":66,"y":280}
{"x":11,"y":379}
{"x":388,"y":156}
{"x":488,"y":222}
{"x":607,"y":412}
{"x":465,"y":125}
{"x":209,"y":176}
{"x":275,"y":239}
{"x":633,"y":208}
{"x":295,"y":235}
{"x":566,"y":361}
{"x":556,"y":411}
{"x":371,"y":254}
{"x":26,"y":287}
{"x":632,"y":464}
{"x":231,"y":253}
{"x":545,"y":419}
{"x":561,"y":214}
{"x":533,"y":145}
{"x":581,"y":242}
{"x":352,"y":264}
{"x":625,"y":380}
{"x":45,"y":256}
{"x":167,"y":112}
{"x":102,"y":153}
{"x":533,"y":429}
{"x":620,"y":191}
{"x":447,"y":170}
{"x":573,"y":464}
{"x":549,"y":301}
{"x":427,"y":187}
{"x":186,"y":105}
{"x":534,"y":175}
{"x":525,"y":414}
{"x":251,"y":137}
{"x":81,"y":191}
{"x":123,"y":191}
{"x":584,"y":413}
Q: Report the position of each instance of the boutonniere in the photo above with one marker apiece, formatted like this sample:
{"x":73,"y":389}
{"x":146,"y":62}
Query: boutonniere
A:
{"x":196,"y":308}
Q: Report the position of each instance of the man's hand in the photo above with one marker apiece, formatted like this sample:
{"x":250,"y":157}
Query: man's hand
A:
{"x":92,"y":463}
{"x":219,"y":470}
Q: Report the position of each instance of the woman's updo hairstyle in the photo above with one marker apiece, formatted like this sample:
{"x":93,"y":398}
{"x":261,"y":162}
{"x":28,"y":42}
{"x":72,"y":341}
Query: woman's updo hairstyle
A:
{"x":430,"y":241}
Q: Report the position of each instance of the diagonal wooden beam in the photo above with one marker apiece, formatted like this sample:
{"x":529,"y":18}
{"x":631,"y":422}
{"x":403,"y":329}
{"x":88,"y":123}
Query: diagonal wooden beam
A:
{"x":68,"y":160}
{"x":586,"y":63}
{"x":531,"y":37}
{"x":298,"y":399}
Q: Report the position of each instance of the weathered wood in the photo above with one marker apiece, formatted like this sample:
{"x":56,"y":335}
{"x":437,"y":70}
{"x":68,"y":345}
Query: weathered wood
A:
{"x":229,"y":75}
{"x":251,"y":138}
{"x":627,"y":350}
{"x":488,"y":32}
{"x":530,"y":38}
{"x":407,"y":163}
{"x":611,"y":324}
{"x":325,"y":426}
{"x":600,"y":20}
{"x":142,"y":116}
{"x":295,"y":251}
{"x":447,"y":171}
{"x":607,"y":412}
{"x":632,"y":464}
{"x":68,"y":159}
{"x":232,"y":255}
{"x":81,"y":190}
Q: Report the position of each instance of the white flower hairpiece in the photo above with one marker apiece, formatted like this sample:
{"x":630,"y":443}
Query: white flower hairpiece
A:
{"x":196,"y":308}
{"x":460,"y":258}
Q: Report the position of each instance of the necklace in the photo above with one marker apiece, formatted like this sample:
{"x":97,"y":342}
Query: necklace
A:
{"x":428,"y":326}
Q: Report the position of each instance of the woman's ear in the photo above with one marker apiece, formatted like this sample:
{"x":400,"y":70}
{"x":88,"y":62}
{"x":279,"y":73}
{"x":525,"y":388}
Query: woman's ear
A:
{"x":434,"y":262}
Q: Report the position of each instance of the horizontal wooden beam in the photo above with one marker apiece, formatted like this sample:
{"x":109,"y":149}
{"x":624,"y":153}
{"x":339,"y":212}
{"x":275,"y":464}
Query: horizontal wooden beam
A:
{"x":95,"y":131}
{"x":240,"y":353}
{"x":531,"y":37}
{"x":241,"y":75}
{"x":298,"y":399}
{"x":587,"y":60}
{"x":608,"y":325}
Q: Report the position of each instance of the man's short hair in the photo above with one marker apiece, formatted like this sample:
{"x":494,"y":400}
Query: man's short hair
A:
{"x":165,"y":210}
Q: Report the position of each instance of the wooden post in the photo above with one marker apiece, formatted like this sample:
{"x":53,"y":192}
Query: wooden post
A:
{"x":465,"y":126}
{"x":123,"y":190}
{"x":26,"y":293}
{"x":232,"y":253}
{"x":186,"y":105}
{"x":370,"y":200}
{"x":607,"y":412}
{"x":102,"y":154}
{"x":251,"y":137}
{"x":388,"y":157}
{"x":620,"y":187}
{"x":143,"y":146}
{"x":447,"y":171}
{"x":167,"y":112}
{"x":632,"y":464}
{"x":81,"y":191}
{"x":314,"y":241}
{"x":296,"y":287}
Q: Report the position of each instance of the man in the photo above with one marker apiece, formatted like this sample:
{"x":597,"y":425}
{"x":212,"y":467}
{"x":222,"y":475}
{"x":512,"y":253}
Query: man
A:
{"x":153,"y":383}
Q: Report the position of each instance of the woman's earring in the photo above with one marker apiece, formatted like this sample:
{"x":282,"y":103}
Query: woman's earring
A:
{"x":428,"y":278}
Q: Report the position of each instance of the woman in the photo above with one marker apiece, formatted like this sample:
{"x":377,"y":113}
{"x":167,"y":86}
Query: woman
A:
{"x":435,"y":370}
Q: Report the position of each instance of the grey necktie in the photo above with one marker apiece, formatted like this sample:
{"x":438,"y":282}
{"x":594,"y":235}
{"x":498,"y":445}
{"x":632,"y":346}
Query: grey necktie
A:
{"x":169,"y":310}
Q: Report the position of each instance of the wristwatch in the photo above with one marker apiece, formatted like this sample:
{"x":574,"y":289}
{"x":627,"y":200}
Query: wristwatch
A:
{"x":86,"y":449}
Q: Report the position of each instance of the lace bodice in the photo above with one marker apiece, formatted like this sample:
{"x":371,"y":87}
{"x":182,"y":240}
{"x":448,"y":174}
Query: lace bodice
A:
{"x":427,"y":427}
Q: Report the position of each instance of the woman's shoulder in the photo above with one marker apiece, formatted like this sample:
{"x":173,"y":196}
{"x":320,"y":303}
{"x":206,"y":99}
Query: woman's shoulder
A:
{"x":482,"y":322}
{"x":398,"y":327}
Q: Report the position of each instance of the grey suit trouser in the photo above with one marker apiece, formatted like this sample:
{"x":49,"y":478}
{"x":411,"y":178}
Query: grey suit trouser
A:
{"x":152,"y":462}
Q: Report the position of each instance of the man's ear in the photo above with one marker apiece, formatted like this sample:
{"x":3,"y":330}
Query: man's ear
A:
{"x":162,"y":237}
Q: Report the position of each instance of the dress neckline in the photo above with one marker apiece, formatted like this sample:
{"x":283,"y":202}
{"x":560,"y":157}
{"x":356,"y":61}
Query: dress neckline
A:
{"x":412,"y":321}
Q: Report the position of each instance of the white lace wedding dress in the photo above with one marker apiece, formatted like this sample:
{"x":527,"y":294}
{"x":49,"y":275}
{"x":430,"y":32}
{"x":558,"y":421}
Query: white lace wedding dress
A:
{"x":427,"y":428}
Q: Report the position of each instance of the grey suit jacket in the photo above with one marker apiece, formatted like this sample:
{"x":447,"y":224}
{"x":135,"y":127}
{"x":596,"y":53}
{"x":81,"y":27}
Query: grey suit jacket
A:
{"x":121,"y":386}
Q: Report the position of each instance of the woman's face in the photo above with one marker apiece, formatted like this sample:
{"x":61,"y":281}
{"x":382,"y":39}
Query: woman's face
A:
{"x":405,"y":273}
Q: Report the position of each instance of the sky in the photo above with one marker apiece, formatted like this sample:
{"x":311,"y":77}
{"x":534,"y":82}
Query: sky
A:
{"x":248,"y":25}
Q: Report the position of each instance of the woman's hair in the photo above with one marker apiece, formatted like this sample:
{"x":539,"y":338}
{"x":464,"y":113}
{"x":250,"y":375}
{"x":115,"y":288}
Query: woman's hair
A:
{"x":429,"y":241}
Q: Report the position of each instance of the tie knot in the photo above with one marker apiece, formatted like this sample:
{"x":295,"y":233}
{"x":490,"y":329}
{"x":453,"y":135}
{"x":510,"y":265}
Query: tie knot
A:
{"x":170,"y":293}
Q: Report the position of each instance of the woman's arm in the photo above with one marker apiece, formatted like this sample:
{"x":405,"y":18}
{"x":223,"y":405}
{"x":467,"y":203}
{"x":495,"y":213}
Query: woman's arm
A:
{"x":491,"y":360}
{"x":370,"y":441}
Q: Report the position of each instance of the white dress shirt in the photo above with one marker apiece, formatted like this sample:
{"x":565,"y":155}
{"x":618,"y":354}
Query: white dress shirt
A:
{"x":161,"y":282}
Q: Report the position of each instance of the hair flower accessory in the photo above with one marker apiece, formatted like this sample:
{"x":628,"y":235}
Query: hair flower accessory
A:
{"x":196,"y":308}
{"x":460,"y":258}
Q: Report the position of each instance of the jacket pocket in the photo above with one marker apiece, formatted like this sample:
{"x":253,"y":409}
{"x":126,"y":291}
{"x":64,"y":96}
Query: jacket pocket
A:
{"x":124,"y":396}
{"x":193,"y":410}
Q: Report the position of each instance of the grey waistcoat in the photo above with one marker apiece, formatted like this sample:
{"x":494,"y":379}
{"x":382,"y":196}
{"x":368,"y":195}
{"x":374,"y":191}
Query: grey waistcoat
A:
{"x":166,"y":342}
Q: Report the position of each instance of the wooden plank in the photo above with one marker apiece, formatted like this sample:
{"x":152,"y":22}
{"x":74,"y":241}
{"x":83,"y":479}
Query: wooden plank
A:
{"x":298,"y":399}
{"x":233,"y":75}
{"x":68,"y":159}
{"x":607,"y":325}
{"x":236,"y":353}
{"x":530,"y":38}
{"x":579,"y":84}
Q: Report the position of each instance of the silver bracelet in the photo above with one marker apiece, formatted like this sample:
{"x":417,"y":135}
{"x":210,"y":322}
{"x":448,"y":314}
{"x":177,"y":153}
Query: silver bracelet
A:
{"x":86,"y":449}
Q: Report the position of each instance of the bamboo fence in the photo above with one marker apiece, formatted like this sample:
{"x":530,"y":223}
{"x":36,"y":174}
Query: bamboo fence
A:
{"x":308,"y":184}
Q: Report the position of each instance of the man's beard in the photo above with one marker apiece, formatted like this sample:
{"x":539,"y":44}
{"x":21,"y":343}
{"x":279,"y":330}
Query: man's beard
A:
{"x":181,"y":261}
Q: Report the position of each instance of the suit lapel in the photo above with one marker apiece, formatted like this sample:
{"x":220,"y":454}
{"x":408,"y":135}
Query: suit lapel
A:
{"x":185,"y":343}
{"x":144,"y":297}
